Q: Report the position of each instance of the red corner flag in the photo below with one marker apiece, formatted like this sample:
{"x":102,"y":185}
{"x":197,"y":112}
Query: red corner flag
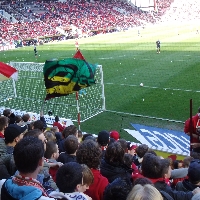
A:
{"x":79,"y":55}
{"x":7,"y":72}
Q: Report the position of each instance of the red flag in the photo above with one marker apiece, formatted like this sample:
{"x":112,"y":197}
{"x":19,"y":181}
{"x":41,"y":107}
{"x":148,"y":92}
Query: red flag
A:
{"x":79,"y":55}
{"x":7,"y":72}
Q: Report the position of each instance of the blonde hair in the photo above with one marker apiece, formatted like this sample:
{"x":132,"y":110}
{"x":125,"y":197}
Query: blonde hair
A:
{"x":146,"y":192}
{"x":50,"y":136}
{"x":88,"y":177}
{"x":54,"y":129}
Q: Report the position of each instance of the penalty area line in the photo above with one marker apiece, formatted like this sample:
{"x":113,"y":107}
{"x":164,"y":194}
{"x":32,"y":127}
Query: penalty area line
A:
{"x":152,"y":87}
{"x":145,"y":116}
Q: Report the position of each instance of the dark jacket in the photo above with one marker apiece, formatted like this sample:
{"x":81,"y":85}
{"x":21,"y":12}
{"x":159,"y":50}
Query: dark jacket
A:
{"x":44,"y":122}
{"x":7,"y":163}
{"x":61,"y":145}
{"x":176,"y":195}
{"x":4,"y":174}
{"x":113,"y":171}
{"x":65,"y":158}
{"x":185,"y":186}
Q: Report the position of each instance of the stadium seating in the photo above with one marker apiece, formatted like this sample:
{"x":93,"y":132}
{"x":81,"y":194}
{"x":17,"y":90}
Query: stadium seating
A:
{"x":41,"y":19}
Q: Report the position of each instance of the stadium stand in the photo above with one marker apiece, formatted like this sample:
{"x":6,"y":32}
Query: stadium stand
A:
{"x":40,"y":19}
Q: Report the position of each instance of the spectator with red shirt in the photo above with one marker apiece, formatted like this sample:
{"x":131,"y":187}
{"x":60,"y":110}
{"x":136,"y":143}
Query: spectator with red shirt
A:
{"x":89,"y":153}
{"x":195,"y":142}
{"x":56,"y":123}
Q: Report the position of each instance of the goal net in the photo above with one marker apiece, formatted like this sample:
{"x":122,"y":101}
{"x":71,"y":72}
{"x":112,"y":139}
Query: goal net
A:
{"x":28,"y":94}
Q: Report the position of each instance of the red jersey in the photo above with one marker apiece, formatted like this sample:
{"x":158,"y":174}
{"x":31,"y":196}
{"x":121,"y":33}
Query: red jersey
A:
{"x":97,"y":188}
{"x":60,"y":127}
{"x":1,"y":135}
{"x":194,"y":124}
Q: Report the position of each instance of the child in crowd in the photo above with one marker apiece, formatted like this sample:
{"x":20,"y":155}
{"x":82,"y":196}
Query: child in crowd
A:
{"x":52,"y":153}
{"x":70,"y":180}
{"x":71,"y":146}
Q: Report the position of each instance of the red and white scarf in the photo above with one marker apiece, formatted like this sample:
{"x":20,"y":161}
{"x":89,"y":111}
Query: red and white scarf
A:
{"x":22,"y":180}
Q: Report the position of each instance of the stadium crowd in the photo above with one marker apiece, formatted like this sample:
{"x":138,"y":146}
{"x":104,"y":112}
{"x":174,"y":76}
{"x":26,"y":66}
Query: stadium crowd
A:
{"x":50,"y":164}
{"x":61,"y":162}
{"x":75,"y":18}
{"x":179,"y":11}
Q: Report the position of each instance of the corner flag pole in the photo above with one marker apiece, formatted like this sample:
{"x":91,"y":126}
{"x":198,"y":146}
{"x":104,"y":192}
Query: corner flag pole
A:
{"x":78,"y":112}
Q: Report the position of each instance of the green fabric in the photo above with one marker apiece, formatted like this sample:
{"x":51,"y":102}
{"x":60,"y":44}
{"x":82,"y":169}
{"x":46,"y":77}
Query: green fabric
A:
{"x":67,"y":76}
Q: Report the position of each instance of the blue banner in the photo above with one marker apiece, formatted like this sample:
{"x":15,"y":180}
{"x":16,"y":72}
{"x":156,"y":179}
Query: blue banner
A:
{"x":162,"y":139}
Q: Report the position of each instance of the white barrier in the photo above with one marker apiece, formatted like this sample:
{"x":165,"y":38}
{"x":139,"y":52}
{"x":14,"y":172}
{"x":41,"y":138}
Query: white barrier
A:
{"x":35,"y":116}
{"x":7,"y":47}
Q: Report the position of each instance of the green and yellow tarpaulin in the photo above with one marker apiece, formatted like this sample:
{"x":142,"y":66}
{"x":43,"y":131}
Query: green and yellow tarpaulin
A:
{"x":63,"y":77}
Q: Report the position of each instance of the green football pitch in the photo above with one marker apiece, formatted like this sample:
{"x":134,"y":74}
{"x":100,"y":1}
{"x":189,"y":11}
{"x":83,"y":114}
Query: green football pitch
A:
{"x":170,"y":79}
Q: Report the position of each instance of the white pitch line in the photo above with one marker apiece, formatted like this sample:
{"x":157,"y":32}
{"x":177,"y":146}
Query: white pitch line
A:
{"x":106,"y":58}
{"x":145,"y":116}
{"x":121,"y":56}
{"x":152,"y":87}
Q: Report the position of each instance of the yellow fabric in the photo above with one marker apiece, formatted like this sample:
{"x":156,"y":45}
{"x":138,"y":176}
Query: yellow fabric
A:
{"x":3,"y":78}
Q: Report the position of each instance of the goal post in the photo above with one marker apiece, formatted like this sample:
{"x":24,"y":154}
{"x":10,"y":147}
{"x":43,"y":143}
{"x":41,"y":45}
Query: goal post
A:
{"x":28,"y":94}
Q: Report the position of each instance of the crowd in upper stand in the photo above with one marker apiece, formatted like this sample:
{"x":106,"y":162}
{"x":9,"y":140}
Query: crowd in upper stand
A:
{"x":62,"y":163}
{"x":181,"y":11}
{"x":41,"y":18}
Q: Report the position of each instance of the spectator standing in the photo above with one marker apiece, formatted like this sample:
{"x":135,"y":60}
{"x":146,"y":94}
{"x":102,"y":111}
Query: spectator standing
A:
{"x":157,"y":170}
{"x":11,"y":116}
{"x":69,"y":180}
{"x":115,"y":135}
{"x":118,"y":189}
{"x":52,"y":153}
{"x":3,"y":125}
{"x":103,"y":139}
{"x":28,"y":155}
{"x":43,"y":175}
{"x":56,"y":123}
{"x":193,"y":180}
{"x":140,"y":152}
{"x":195,"y":143}
{"x":89,"y":153}
{"x":69,"y":130}
{"x":71,"y":146}
{"x":112,"y":166}
{"x":147,"y":191}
